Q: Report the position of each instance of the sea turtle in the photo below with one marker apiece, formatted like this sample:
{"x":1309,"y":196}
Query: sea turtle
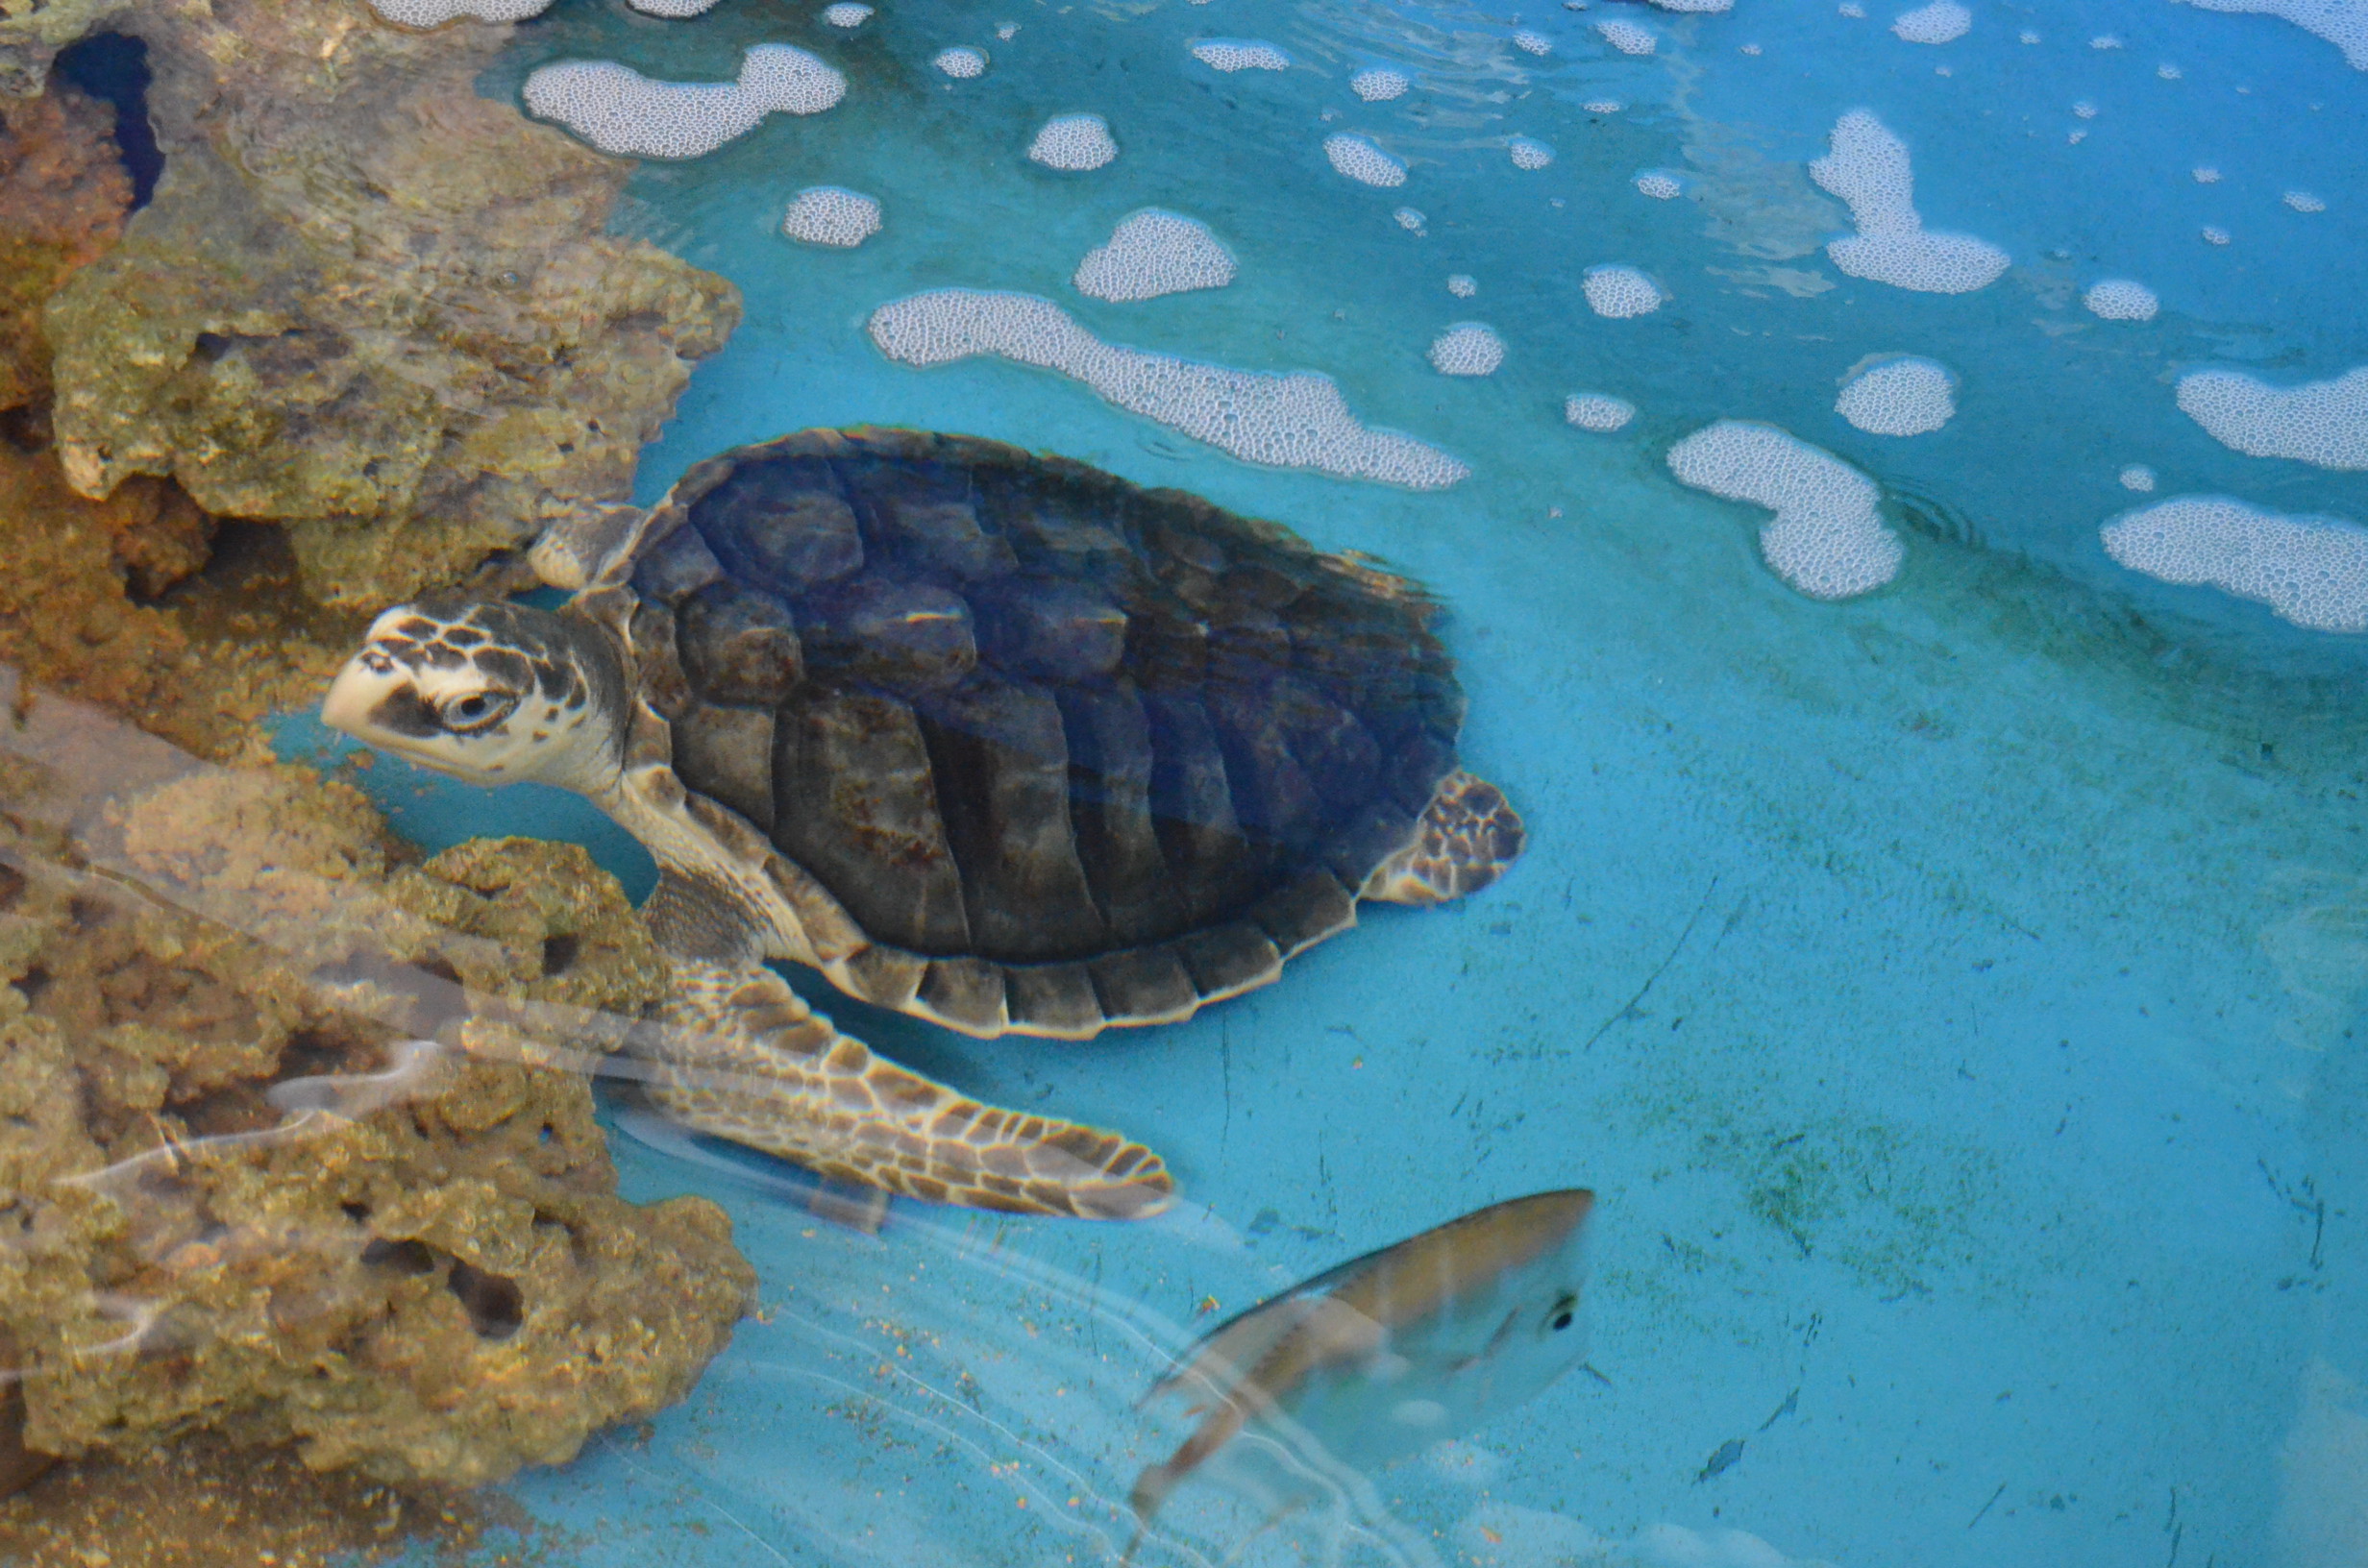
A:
{"x":992,"y":739}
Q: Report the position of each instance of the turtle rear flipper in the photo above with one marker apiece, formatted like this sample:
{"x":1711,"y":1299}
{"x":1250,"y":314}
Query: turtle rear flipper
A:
{"x":1464,"y":841}
{"x":746,"y":1058}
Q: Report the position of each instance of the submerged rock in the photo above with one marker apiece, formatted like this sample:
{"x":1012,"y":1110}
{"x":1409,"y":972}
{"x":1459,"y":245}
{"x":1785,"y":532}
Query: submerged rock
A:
{"x":63,"y":194}
{"x":297,"y":1148}
{"x":364,"y":303}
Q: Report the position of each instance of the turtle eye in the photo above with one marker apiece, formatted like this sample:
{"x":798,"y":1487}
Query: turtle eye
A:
{"x":476,"y":711}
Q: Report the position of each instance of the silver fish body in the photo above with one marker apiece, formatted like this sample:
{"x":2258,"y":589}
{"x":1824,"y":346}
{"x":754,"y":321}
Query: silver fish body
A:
{"x":1374,"y":1360}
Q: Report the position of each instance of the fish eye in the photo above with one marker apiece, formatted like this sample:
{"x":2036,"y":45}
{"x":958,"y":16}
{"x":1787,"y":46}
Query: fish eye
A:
{"x":1562,"y":1315}
{"x":476,"y":711}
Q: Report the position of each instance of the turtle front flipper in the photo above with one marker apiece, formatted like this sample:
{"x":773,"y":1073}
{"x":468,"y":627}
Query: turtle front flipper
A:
{"x":1463,"y":842}
{"x":741,"y":1057}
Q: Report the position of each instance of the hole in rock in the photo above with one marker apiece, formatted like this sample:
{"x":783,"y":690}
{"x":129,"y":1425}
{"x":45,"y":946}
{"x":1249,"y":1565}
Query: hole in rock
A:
{"x":114,"y":68}
{"x":494,"y":1305}
{"x":559,"y":951}
{"x":406,"y":1256}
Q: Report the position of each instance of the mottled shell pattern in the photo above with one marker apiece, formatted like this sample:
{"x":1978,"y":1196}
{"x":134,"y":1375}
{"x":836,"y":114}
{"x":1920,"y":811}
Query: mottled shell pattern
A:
{"x":1068,"y":751}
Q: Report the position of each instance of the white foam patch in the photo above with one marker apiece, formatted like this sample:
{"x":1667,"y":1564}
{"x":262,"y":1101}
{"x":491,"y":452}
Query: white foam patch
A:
{"x":1409,"y":219}
{"x":1826,"y":539}
{"x":620,"y":110}
{"x":1621,"y":292}
{"x":1379,"y":85}
{"x":436,"y":12}
{"x":1463,"y":285}
{"x":2324,"y":423}
{"x":1868,"y":169}
{"x":1660,"y":186}
{"x":1598,"y":411}
{"x":1240,"y":54}
{"x":1154,"y":253}
{"x":1697,"y":6}
{"x":2343,"y":23}
{"x":1007,"y":31}
{"x":2104,"y":40}
{"x":2214,"y":235}
{"x":1357,"y":157}
{"x":1468,"y":348}
{"x":846,"y":13}
{"x":2118,"y":299}
{"x":1628,"y":37}
{"x":2137,"y":476}
{"x":1603,"y":106}
{"x":1529,"y":153}
{"x":1291,"y":420}
{"x":1848,"y":8}
{"x":831,"y":215}
{"x":2303,"y":200}
{"x":1943,"y":21}
{"x":2028,"y":35}
{"x":2086,"y":110}
{"x":962,"y":62}
{"x":2169,"y":72}
{"x":1073,"y":141}
{"x":1533,"y":43}
{"x":2312,"y":571}
{"x":1906,"y":394}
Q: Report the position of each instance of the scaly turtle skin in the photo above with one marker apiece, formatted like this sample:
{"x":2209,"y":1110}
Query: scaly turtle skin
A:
{"x":996,"y":740}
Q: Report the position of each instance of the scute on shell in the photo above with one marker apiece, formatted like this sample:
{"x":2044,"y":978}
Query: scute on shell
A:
{"x":1068,"y":751}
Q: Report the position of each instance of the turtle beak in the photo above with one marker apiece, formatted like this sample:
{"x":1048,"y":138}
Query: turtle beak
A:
{"x":367,"y":698}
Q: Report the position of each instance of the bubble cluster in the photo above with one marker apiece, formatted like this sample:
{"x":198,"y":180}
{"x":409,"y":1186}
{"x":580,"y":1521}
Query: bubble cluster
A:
{"x":620,"y":110}
{"x":846,"y":13}
{"x":2118,"y":299}
{"x":2104,"y":40}
{"x":1468,"y":348}
{"x":1849,"y":7}
{"x":1377,"y":85}
{"x":2343,"y":23}
{"x":2137,"y":476}
{"x":962,"y":62}
{"x":1533,"y":43}
{"x":2214,"y":235}
{"x":2303,"y":200}
{"x":1154,"y":253}
{"x":1007,"y":31}
{"x":1621,"y":292}
{"x":1240,"y":54}
{"x":436,"y":12}
{"x":1598,"y":411}
{"x":1699,"y":7}
{"x":672,"y":9}
{"x":2206,"y":175}
{"x":1603,"y":106}
{"x":1463,"y":285}
{"x":1660,"y":186}
{"x":1295,"y":420}
{"x":1073,"y":141}
{"x":2312,"y":571}
{"x":2029,"y":35}
{"x":1357,"y":157}
{"x":830,"y":215}
{"x":1826,"y":539}
{"x":2086,"y":110}
{"x":1409,"y":219}
{"x":1628,"y":37}
{"x":1868,"y":169}
{"x":1943,"y":21}
{"x":2324,"y":423}
{"x":1903,"y":395}
{"x":2169,"y":72}
{"x":1529,"y":153}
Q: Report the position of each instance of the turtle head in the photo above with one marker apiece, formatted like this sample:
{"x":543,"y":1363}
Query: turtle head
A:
{"x":487,"y":692}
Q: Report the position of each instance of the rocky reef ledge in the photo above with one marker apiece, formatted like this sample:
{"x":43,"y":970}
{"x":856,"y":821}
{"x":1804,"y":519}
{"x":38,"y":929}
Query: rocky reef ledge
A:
{"x":296,"y":1146}
{"x":364,"y":304}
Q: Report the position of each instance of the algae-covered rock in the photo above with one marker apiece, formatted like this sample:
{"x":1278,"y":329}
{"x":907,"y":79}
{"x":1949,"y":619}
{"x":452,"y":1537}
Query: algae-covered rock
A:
{"x":63,"y":194}
{"x":278,"y":1155}
{"x":366,"y":303}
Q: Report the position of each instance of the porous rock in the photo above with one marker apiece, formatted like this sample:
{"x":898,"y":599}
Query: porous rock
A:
{"x":63,"y":194}
{"x":366,"y":303}
{"x":429,"y":1278}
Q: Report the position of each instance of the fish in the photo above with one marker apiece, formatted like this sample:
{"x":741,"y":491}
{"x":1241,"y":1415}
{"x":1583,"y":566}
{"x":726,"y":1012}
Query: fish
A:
{"x":1374,"y":1360}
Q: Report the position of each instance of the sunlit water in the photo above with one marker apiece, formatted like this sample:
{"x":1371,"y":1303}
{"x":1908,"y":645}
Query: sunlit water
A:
{"x":1950,"y":992}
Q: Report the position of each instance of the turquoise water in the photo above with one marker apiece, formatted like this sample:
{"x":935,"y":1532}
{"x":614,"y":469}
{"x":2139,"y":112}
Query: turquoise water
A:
{"x":1950,"y":992}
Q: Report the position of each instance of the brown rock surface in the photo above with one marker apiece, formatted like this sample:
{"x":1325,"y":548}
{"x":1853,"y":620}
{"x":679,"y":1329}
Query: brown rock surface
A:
{"x":366,"y":303}
{"x":297,"y":1149}
{"x":63,"y":194}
